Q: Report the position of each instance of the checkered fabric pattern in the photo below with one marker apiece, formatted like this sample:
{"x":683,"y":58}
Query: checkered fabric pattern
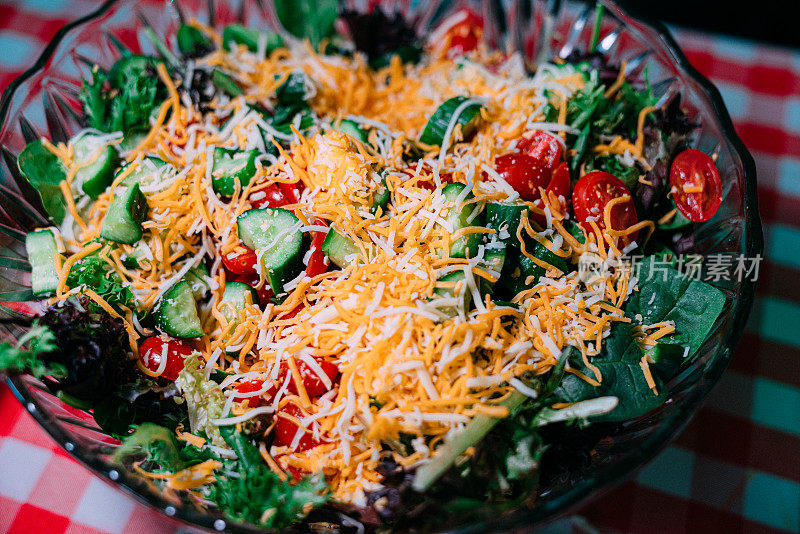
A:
{"x":734,"y":469}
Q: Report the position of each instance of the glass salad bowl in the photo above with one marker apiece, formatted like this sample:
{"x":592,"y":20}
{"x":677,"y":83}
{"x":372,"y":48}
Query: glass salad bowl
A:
{"x":43,"y":101}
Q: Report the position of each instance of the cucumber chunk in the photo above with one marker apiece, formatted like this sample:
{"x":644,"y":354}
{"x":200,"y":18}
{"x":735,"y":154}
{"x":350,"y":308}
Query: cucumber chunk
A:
{"x":230,"y":166}
{"x":340,"y":248}
{"x":234,"y":300}
{"x":380,"y":197}
{"x":237,"y":34}
{"x":43,"y":246}
{"x":493,"y":262}
{"x":456,"y":287}
{"x":275,"y":234}
{"x":225,"y":83}
{"x":468,"y":118}
{"x":146,"y":172}
{"x":197,"y":279}
{"x":466,"y":246}
{"x":504,"y":219}
{"x":126,"y":212}
{"x":352,"y":129}
{"x":94,"y":177}
{"x":176,"y":313}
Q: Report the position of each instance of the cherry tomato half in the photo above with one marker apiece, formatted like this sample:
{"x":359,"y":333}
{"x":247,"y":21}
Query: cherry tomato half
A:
{"x":311,"y":380}
{"x":252,"y":386}
{"x":154,"y":348}
{"x":286,"y":429}
{"x":464,"y":34}
{"x":559,"y":186}
{"x":317,"y":262}
{"x":542,"y":147}
{"x":275,"y":196}
{"x":696,"y":185}
{"x":590,"y":196}
{"x":523,"y":173}
{"x":240,"y":260}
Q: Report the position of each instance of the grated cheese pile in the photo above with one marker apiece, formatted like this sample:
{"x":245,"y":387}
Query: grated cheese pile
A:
{"x":411,"y":371}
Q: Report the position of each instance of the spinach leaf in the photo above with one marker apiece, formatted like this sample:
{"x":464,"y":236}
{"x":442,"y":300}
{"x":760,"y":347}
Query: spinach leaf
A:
{"x":17,"y":359}
{"x":308,"y":19}
{"x":117,"y":413}
{"x":622,"y":378}
{"x":665,"y":294}
{"x":126,"y":98}
{"x":292,"y":92}
{"x":192,"y":42}
{"x":44,"y":171}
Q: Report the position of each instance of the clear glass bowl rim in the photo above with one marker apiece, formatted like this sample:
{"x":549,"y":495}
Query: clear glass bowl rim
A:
{"x":581,"y":492}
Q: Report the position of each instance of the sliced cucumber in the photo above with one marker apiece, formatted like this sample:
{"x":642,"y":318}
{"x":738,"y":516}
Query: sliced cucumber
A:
{"x":453,"y":280}
{"x":519,"y":267}
{"x":126,"y":212}
{"x":134,"y":260}
{"x":493,"y":261}
{"x":504,"y":219}
{"x":275,"y":234}
{"x":466,"y":246}
{"x":239,"y":35}
{"x":225,"y":83}
{"x":352,"y":129}
{"x":380,"y":197}
{"x":94,"y":177}
{"x":237,"y":295}
{"x":176,"y":313}
{"x":197,"y":279}
{"x":230,"y":166}
{"x":146,"y":172}
{"x":340,"y":248}
{"x":468,"y":117}
{"x":43,"y":246}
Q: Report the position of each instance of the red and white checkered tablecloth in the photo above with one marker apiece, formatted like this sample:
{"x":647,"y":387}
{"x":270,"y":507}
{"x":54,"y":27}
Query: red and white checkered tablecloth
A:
{"x":734,"y":469}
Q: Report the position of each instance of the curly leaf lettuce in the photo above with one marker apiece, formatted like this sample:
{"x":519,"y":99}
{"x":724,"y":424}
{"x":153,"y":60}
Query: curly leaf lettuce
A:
{"x":204,"y":399}
{"x":16,"y":359}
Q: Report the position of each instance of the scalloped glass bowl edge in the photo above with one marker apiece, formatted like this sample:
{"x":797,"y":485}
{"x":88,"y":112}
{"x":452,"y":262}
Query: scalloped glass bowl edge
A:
{"x":737,"y":229}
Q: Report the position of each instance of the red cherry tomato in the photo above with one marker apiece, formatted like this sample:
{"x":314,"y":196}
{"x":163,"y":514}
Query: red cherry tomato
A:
{"x":317,"y":262}
{"x":542,"y":147}
{"x":154,"y":348}
{"x":429,"y":184}
{"x":559,"y":185}
{"x":286,"y":429}
{"x":265,"y":294}
{"x":240,"y":260}
{"x":252,"y":386}
{"x":464,"y":33}
{"x":590,"y":196}
{"x":560,"y":182}
{"x":523,"y":173}
{"x":311,"y":380}
{"x":696,"y":185}
{"x":275,"y":196}
{"x":294,"y":472}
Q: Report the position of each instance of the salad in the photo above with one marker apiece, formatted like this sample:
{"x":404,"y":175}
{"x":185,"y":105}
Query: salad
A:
{"x":344,"y":274}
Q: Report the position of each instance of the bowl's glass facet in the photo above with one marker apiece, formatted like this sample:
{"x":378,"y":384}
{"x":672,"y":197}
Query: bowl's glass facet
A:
{"x":44,"y":102}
